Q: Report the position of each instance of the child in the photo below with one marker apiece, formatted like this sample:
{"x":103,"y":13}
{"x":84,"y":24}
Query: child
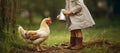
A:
{"x":77,"y":17}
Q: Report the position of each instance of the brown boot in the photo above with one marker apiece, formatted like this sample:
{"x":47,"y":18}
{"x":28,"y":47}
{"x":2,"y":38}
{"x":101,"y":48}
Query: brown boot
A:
{"x":72,"y":43}
{"x":78,"y":44}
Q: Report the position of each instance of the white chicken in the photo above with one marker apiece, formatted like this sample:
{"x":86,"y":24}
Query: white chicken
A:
{"x":38,"y":36}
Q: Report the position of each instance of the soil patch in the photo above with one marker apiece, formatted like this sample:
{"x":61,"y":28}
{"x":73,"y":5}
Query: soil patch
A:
{"x":111,"y":47}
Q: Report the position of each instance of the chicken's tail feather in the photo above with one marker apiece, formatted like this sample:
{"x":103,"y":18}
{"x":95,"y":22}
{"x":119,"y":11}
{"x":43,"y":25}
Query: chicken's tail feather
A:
{"x":21,"y":30}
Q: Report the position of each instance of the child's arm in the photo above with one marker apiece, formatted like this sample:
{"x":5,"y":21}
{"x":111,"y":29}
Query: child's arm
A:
{"x":76,"y":8}
{"x":67,"y":12}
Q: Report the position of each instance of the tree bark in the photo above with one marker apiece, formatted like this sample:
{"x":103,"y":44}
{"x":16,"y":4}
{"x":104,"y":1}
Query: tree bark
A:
{"x":13,"y":18}
{"x":3,"y":13}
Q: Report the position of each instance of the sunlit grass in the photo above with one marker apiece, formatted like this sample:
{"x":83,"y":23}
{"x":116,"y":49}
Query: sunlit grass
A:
{"x":103,"y":30}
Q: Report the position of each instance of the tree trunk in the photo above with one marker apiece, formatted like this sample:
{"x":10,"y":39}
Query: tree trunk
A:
{"x":3,"y":14}
{"x":13,"y":18}
{"x":7,"y":19}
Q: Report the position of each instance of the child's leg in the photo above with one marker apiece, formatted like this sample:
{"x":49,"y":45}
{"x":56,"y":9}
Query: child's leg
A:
{"x":78,"y":39}
{"x":72,"y":38}
{"x":78,"y":33}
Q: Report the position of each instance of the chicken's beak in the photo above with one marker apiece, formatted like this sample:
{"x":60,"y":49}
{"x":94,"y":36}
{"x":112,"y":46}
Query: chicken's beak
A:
{"x":50,"y":22}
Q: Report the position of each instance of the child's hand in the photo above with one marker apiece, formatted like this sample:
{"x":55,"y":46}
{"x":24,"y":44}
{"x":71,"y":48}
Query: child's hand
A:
{"x":67,"y":12}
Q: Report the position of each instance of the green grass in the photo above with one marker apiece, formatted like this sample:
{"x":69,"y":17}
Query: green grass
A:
{"x":108,"y":33}
{"x":103,"y":30}
{"x":7,"y":41}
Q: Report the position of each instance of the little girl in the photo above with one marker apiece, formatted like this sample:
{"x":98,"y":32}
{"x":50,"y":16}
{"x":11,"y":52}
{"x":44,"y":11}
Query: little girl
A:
{"x":77,"y":17}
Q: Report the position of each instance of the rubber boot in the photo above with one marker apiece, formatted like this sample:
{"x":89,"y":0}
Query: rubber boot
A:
{"x":72,"y":43}
{"x":78,"y":44}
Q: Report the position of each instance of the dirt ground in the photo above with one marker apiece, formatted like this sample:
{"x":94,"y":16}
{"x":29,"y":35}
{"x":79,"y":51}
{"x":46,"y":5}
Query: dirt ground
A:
{"x":114,"y":47}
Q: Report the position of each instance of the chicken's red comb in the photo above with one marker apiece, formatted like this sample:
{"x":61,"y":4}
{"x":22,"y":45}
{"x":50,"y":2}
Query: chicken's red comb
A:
{"x":49,"y":18}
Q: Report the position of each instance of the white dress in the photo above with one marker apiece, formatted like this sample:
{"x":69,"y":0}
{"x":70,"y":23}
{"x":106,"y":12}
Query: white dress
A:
{"x":81,"y":17}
